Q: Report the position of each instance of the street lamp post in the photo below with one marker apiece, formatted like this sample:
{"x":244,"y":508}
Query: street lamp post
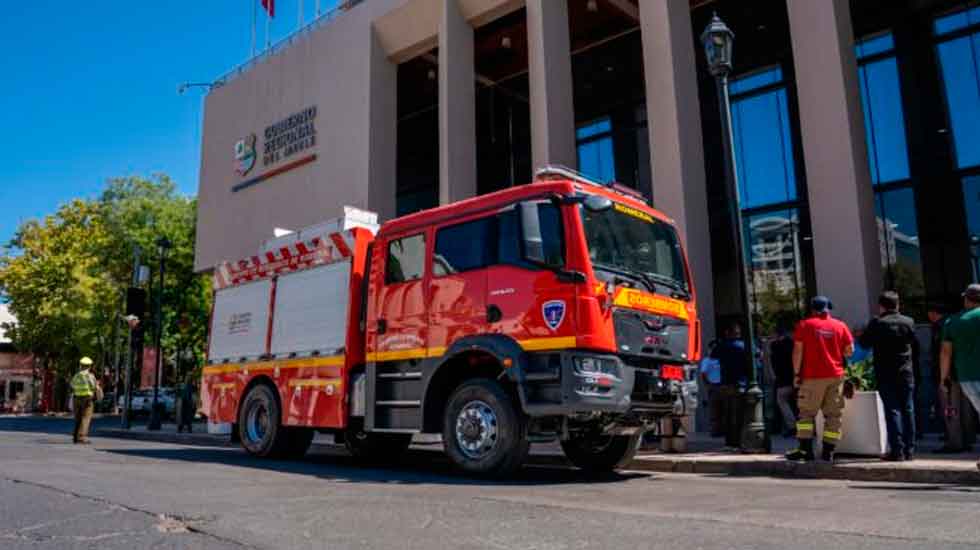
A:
{"x":718,"y":41}
{"x":163,"y":244}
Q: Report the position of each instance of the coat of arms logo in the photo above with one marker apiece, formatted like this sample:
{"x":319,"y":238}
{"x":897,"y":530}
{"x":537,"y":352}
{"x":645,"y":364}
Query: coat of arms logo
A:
{"x":554,"y":313}
{"x":245,"y":155}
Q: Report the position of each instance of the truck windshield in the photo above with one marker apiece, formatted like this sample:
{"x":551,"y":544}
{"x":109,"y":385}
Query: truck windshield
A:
{"x":627,"y":242}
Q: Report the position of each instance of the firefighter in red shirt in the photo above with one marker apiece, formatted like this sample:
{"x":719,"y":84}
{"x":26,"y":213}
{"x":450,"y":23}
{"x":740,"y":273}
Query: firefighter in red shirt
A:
{"x":821,"y":346}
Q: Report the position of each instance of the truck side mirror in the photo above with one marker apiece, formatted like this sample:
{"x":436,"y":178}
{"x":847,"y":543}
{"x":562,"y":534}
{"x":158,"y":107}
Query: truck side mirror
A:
{"x":531,"y":233}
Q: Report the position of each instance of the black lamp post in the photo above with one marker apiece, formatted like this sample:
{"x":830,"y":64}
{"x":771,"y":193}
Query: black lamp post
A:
{"x":718,"y":41}
{"x":163,"y":245}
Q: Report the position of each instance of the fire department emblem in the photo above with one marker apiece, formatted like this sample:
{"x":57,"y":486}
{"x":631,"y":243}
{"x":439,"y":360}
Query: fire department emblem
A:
{"x":553,"y":313}
{"x":245,"y":155}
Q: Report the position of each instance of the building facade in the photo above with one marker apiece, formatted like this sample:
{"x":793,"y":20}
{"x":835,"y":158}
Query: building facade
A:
{"x":855,"y":128}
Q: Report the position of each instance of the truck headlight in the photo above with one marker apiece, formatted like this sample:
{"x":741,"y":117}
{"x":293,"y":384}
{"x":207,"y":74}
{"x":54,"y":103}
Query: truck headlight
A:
{"x":596,"y":367}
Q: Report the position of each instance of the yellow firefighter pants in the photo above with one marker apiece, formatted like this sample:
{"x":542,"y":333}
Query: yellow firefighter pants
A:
{"x":816,"y":395}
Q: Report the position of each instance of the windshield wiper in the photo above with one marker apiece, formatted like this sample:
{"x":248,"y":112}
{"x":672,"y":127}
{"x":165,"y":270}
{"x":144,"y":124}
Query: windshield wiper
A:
{"x":669,"y":282}
{"x":632,"y":276}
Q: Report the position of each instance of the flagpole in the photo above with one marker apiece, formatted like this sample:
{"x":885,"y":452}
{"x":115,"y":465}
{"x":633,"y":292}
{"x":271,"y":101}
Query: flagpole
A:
{"x":253,"y":28}
{"x":268,"y":18}
{"x":299,"y":18}
{"x":318,"y":8}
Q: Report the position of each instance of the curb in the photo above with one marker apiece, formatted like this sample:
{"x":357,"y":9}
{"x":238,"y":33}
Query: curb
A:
{"x":793,"y":470}
{"x":666,"y":464}
{"x":200,"y":439}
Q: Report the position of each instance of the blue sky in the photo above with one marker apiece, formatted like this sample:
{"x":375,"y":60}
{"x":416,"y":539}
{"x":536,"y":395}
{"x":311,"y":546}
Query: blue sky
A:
{"x":90,"y":91}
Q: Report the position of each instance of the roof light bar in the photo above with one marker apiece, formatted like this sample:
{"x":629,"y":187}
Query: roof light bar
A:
{"x":557,"y":171}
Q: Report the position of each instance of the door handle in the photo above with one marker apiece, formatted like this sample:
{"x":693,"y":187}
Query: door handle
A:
{"x":382,"y":326}
{"x":494,"y":314}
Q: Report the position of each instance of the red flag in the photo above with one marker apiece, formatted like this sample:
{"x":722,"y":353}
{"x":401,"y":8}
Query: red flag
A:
{"x":270,"y":7}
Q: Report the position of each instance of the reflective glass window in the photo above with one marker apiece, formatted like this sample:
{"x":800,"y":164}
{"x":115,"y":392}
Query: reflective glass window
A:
{"x":463,"y":247}
{"x":961,"y":78}
{"x":956,"y":21}
{"x":754,"y":81}
{"x":873,"y":46}
{"x":596,"y":158}
{"x":776,"y":260}
{"x":884,"y":118}
{"x":764,"y":148}
{"x":898,"y":239}
{"x":406,"y":259}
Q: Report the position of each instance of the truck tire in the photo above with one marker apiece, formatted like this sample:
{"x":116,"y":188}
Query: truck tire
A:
{"x":260,"y":427}
{"x":374,"y":447}
{"x":600,"y":454}
{"x":483,"y":431}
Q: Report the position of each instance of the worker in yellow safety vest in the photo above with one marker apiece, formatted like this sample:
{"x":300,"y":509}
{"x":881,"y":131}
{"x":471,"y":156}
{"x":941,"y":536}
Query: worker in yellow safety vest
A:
{"x":84,"y":388}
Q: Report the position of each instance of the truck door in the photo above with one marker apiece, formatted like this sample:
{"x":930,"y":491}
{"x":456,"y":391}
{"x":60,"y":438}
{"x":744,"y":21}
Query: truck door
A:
{"x":402,"y":323}
{"x":536,"y":308}
{"x":458,"y":306}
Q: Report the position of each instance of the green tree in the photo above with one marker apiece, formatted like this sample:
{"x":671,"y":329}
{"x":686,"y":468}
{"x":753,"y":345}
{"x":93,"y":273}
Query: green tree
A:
{"x":52,"y":276}
{"x":65,"y":276}
{"x":138,"y":212}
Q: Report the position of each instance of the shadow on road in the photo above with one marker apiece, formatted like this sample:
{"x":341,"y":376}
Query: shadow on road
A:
{"x":918,"y":488}
{"x":51,"y":424}
{"x":415,"y":467}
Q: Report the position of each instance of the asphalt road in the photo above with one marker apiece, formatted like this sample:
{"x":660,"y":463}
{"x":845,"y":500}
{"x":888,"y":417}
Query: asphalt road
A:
{"x":131,"y":494}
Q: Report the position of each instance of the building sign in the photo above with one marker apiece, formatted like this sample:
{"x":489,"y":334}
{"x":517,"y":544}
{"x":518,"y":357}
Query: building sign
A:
{"x":289,"y":136}
{"x":282,"y":146}
{"x":245,"y":155}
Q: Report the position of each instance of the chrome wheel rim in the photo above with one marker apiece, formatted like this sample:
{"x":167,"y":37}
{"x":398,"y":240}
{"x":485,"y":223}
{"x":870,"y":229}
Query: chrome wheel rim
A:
{"x":257,"y":422}
{"x":476,"y":429}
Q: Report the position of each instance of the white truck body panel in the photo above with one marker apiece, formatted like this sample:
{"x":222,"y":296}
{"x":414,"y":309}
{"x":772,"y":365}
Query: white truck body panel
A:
{"x":311,"y":311}
{"x":240,"y":322}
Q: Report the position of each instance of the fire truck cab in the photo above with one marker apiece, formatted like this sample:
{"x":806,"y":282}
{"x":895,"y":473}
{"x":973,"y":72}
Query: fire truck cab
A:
{"x":558,"y":310}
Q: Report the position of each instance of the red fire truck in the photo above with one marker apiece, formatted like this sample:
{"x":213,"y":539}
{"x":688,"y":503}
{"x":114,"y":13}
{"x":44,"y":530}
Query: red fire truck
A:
{"x":558,"y":310}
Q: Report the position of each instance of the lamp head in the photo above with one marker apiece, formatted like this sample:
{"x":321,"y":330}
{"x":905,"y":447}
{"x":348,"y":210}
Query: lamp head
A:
{"x":718,"y":41}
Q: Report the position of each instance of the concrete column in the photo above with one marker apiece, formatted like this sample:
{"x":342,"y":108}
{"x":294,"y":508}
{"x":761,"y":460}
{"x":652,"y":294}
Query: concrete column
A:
{"x":457,"y":106}
{"x":676,"y":149}
{"x":845,"y":233}
{"x":382,"y":132}
{"x":550,"y":72}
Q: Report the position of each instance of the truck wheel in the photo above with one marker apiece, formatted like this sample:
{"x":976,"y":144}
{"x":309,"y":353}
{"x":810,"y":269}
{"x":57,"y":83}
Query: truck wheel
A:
{"x":259,"y":425}
{"x":483,"y":431}
{"x":374,"y":447}
{"x":599,"y":454}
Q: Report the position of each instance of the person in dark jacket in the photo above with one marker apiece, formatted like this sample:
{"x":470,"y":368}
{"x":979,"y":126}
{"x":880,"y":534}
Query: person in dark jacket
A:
{"x":891,"y":336}
{"x":781,"y":359}
{"x":730,"y":353}
{"x":187,"y":407}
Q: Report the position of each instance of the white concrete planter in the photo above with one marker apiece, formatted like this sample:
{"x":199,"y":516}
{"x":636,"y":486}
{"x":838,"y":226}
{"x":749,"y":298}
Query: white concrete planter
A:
{"x":864,"y":427}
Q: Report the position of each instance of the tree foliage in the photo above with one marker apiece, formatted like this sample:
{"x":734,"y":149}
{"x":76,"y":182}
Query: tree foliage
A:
{"x":65,"y":276}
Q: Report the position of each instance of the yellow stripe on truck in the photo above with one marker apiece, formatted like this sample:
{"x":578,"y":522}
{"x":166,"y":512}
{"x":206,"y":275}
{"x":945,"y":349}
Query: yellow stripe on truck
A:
{"x":541,"y":344}
{"x":296,"y":363}
{"x":532,"y":344}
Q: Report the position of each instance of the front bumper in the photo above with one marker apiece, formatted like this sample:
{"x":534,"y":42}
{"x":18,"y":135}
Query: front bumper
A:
{"x":573,"y":382}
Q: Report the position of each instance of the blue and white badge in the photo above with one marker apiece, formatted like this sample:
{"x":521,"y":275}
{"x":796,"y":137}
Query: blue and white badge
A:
{"x":554,"y":313}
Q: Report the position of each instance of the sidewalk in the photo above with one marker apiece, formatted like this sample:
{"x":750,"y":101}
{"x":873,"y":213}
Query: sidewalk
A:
{"x":704,"y":456}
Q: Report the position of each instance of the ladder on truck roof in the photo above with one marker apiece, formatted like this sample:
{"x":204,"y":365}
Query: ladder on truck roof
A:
{"x":318,"y":244}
